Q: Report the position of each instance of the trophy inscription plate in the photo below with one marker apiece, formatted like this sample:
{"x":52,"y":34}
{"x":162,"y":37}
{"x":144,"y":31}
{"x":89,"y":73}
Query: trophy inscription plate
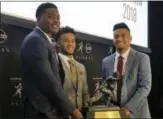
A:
{"x":103,"y":112}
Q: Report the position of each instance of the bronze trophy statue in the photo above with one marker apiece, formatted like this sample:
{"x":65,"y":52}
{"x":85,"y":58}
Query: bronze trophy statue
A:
{"x":106,"y":91}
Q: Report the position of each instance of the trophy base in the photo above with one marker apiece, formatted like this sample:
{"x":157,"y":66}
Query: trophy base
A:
{"x":104,"y":112}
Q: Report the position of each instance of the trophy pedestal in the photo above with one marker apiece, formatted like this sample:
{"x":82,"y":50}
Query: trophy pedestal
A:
{"x":105,"y":112}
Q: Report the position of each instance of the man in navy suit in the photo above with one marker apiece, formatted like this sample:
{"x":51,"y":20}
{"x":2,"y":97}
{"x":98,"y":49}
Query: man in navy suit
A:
{"x":45,"y":97}
{"x":135,"y":72}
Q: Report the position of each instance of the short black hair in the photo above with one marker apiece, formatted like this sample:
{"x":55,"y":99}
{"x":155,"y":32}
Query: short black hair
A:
{"x":121,"y":25}
{"x":42,"y":7}
{"x":63,"y":30}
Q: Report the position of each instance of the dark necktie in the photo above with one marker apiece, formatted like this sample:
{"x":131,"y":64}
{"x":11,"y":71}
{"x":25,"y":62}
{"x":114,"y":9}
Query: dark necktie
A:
{"x":120,"y":65}
{"x":119,"y":83}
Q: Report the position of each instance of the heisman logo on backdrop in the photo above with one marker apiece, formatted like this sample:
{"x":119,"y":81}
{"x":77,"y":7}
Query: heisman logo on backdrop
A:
{"x":3,"y":38}
{"x":17,"y":96}
{"x":18,"y":91}
{"x":85,"y":50}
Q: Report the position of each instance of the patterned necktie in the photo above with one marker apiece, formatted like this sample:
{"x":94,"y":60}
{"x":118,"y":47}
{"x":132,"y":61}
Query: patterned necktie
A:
{"x":72,"y":70}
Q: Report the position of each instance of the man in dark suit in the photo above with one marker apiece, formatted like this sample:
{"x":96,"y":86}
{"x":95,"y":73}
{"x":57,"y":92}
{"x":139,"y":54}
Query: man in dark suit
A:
{"x":135,"y":72}
{"x":45,"y":97}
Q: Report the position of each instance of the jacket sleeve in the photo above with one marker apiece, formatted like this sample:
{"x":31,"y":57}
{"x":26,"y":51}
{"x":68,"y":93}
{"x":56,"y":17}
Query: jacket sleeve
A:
{"x":144,"y":85}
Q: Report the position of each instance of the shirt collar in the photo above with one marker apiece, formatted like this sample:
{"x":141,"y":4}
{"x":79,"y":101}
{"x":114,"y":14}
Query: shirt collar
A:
{"x":124,"y":55}
{"x":50,"y":39}
{"x":64,"y":57}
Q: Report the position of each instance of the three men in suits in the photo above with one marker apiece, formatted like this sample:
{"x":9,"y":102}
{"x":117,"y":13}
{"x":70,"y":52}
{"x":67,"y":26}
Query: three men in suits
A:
{"x":75,"y":80}
{"x":45,"y":97}
{"x":135,"y":72}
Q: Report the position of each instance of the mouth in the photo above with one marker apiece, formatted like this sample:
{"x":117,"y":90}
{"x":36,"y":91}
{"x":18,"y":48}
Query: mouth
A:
{"x":55,"y":27}
{"x":118,"y":43}
{"x":70,"y":49}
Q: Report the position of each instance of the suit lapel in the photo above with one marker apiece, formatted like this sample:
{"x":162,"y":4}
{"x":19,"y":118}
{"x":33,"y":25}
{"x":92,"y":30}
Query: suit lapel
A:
{"x":61,"y":71}
{"x":129,"y":63}
{"x":111,"y":65}
{"x":78,"y":69}
{"x":66,"y":69}
{"x":41,"y":34}
{"x":80,"y":75}
{"x":77,"y":75}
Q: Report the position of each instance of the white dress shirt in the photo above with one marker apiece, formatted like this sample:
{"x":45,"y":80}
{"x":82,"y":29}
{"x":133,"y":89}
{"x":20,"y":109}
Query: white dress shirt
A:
{"x":65,"y":59}
{"x":45,"y":34}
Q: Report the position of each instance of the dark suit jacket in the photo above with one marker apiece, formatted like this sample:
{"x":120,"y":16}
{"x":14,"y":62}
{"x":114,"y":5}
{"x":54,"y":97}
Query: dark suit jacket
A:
{"x":42,"y":83}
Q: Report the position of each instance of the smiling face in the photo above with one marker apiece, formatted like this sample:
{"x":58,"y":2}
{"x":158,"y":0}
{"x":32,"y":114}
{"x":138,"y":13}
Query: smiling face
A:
{"x":122,"y":40}
{"x":67,"y":43}
{"x":49,"y":21}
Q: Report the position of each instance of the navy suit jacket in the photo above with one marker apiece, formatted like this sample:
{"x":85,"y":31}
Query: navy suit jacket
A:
{"x":42,"y":83}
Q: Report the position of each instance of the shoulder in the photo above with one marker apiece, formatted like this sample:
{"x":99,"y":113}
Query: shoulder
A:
{"x":81,"y":68}
{"x":80,"y":64}
{"x":32,"y":36}
{"x":108,"y":58}
{"x":32,"y":39}
{"x":141,"y":56}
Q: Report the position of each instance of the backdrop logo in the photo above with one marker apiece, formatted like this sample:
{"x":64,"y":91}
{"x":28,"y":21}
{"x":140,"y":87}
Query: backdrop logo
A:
{"x":88,"y":48}
{"x":110,"y":50}
{"x":17,"y":85}
{"x":18,"y":91}
{"x":80,"y":49}
{"x":85,"y":50}
{"x":3,"y":36}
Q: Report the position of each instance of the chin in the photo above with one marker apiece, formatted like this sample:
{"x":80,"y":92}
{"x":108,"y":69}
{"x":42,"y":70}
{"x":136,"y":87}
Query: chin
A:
{"x":54,"y":32}
{"x":70,"y":53}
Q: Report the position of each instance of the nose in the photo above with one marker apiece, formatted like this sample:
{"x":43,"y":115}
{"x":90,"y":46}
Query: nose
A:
{"x":70,"y":43}
{"x":119,"y":38}
{"x":56,"y":21}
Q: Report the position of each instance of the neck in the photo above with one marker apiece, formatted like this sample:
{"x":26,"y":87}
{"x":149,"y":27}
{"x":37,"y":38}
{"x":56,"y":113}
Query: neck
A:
{"x":70,"y":56}
{"x":46,"y":31}
{"x":49,"y":34}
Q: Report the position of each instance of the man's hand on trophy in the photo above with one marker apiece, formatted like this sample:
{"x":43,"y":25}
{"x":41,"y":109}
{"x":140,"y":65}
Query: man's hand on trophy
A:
{"x":76,"y":114}
{"x":90,"y":103}
{"x":125,"y":111}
